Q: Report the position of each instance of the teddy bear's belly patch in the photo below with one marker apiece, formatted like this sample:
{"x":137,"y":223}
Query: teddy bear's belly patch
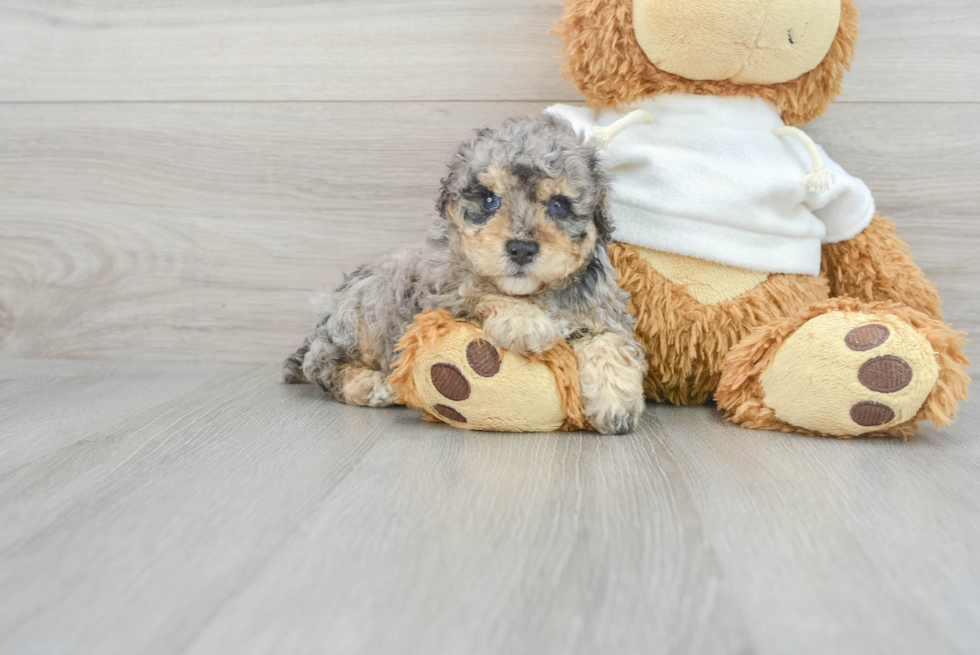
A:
{"x":707,"y":282}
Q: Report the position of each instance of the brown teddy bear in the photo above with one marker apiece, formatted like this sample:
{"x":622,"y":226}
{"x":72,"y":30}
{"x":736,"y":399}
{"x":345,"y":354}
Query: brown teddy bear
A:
{"x":761,"y":272}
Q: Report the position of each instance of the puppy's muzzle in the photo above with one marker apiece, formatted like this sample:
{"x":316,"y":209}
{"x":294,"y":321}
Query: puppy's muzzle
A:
{"x":522,"y":253}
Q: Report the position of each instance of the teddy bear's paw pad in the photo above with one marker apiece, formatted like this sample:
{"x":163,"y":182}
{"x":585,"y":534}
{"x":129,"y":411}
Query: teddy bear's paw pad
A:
{"x":867,"y":337}
{"x":466,"y":381}
{"x":450,"y":382}
{"x":848,"y":373}
{"x":870,"y":414}
{"x":483,"y":358}
{"x":887,"y":374}
{"x":448,"y":412}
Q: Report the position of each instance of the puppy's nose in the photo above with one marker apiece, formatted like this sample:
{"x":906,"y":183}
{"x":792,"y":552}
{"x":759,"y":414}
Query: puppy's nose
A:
{"x":522,"y":252}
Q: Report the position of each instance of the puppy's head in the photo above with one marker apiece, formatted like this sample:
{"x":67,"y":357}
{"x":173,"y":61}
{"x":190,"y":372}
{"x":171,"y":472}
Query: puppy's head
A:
{"x":524,"y":204}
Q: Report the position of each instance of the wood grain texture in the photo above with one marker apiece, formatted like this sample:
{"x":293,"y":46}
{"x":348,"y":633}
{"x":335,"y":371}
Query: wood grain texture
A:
{"x":145,"y":571}
{"x":251,"y":517}
{"x":809,"y":530}
{"x":374,"y":50}
{"x":201,"y":230}
{"x":280,"y":50}
{"x":494,"y":544}
{"x":916,"y":51}
{"x":48,"y":405}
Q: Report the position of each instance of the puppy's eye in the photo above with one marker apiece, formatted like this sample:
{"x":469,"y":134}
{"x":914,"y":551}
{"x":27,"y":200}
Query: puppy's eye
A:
{"x":559,"y":207}
{"x":491,"y":203}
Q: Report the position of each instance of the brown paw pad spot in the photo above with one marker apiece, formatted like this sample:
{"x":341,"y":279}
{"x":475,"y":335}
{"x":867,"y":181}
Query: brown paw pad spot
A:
{"x":867,"y":337}
{"x":450,"y":382}
{"x":869,"y":414}
{"x":450,"y":413}
{"x":483,"y":358}
{"x":886,"y":374}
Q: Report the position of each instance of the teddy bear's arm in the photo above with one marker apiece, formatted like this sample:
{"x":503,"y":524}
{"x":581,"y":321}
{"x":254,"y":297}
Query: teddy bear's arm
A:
{"x":876,"y":265}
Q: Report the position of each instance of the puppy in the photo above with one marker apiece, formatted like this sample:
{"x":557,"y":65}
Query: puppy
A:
{"x":520,"y":246}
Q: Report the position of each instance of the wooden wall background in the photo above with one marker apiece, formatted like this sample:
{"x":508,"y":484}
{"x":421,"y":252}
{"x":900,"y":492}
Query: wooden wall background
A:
{"x":177,"y":177}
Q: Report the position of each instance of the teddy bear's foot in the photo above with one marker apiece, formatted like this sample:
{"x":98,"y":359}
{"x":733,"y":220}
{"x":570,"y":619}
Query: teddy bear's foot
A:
{"x":846,"y":369}
{"x":449,"y":372}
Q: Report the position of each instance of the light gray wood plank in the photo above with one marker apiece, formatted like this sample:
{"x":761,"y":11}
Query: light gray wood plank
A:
{"x":174,"y":230}
{"x":395,"y":536}
{"x":258,"y":518}
{"x":382,"y":50}
{"x":48,"y":405}
{"x":274,"y":50}
{"x":840,"y":546}
{"x":197,"y":230}
{"x":916,"y":51}
{"x":131,"y":539}
{"x":448,"y":542}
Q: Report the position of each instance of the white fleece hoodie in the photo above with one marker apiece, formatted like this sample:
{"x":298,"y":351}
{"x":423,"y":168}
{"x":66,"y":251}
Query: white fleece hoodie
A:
{"x":709,"y":179}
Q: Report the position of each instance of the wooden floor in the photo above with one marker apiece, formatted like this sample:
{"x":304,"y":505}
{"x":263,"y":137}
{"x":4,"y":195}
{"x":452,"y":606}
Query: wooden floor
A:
{"x":203,"y":508}
{"x":178,"y":177}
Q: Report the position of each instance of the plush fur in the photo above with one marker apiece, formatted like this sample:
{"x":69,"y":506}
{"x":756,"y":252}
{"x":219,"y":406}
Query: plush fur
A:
{"x":877,"y":265}
{"x":530,"y":184}
{"x":686,"y":342}
{"x":723,"y":344}
{"x":605,"y":62}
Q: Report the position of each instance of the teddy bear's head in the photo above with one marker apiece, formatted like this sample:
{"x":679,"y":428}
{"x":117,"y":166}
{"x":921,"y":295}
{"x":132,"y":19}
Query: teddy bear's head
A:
{"x":792,"y":53}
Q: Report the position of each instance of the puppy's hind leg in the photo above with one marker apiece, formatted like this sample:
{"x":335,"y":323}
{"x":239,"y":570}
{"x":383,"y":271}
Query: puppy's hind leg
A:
{"x":292,"y":368}
{"x":322,"y":362}
{"x":611,"y":370}
{"x":344,"y":377}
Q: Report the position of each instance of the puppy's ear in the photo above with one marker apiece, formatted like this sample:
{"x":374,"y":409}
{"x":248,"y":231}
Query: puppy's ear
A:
{"x":453,"y":183}
{"x":445,"y":198}
{"x":604,"y":226}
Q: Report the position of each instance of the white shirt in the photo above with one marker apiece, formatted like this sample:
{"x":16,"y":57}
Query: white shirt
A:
{"x":710,"y":180}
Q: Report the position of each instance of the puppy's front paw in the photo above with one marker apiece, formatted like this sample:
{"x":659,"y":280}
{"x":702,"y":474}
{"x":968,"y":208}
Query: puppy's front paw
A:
{"x":611,"y":370}
{"x":615,"y":417}
{"x":522,"y":330}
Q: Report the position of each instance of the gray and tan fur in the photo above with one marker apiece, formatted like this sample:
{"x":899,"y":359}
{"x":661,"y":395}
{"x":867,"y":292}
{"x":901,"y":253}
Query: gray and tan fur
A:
{"x":520,"y":246}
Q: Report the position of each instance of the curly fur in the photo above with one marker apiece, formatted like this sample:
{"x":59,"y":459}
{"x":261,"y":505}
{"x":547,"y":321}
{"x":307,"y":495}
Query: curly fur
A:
{"x":567,"y":292}
{"x":608,"y":374}
{"x":605,"y":62}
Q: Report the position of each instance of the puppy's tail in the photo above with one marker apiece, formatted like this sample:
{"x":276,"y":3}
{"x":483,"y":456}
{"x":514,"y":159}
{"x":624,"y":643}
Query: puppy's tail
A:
{"x":292,"y":368}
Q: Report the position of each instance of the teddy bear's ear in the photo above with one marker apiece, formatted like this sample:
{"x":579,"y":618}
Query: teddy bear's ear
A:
{"x":602,"y":57}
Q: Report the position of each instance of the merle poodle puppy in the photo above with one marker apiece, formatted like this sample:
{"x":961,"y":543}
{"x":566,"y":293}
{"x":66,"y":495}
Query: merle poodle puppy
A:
{"x":519,"y":246}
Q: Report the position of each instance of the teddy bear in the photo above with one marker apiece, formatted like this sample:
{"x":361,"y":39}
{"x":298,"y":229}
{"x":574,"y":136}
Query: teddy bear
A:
{"x":762,"y":274}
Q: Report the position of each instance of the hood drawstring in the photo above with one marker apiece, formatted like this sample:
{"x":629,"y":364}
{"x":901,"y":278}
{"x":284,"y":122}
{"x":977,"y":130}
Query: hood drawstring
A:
{"x":603,"y":136}
{"x":821,"y":178}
